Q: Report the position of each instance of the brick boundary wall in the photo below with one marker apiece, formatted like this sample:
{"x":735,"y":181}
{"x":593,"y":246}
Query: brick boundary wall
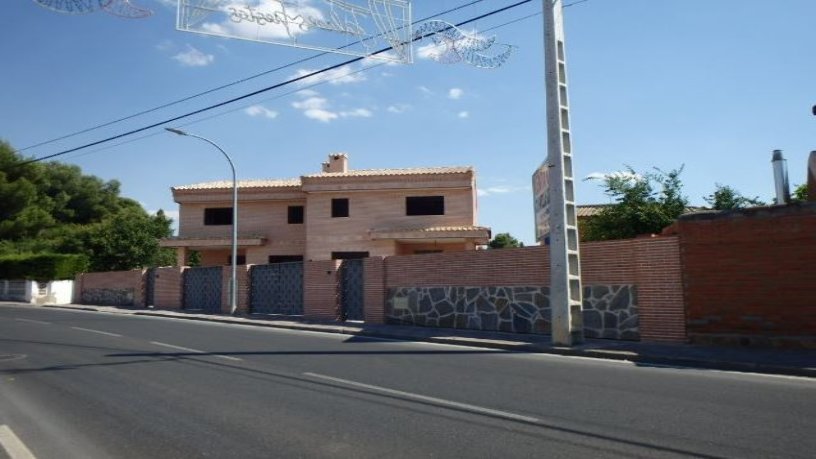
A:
{"x":320,"y":293}
{"x":749,"y":275}
{"x":111,"y":284}
{"x":651,"y":264}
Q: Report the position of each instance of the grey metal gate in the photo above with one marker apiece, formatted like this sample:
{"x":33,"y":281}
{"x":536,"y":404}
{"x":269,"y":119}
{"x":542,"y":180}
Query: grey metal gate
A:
{"x":150,"y":287}
{"x":276,"y":289}
{"x":202,"y":289}
{"x":351,"y":290}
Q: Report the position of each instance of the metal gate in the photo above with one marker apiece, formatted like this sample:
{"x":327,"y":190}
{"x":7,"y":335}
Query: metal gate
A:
{"x":150,"y":287}
{"x":202,"y":289}
{"x":276,"y":289}
{"x":351,"y":290}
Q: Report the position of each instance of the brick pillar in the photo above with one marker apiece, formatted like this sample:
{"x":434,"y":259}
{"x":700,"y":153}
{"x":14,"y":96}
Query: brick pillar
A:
{"x":658,"y":271}
{"x":320,"y":289}
{"x":168,"y":287}
{"x":242,"y":289}
{"x":374,"y":290}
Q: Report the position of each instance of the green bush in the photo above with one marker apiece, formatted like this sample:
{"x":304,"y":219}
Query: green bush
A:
{"x":42,"y":267}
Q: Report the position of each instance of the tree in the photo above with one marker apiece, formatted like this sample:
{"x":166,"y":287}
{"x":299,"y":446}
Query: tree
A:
{"x":726,"y":198}
{"x":54,"y":208}
{"x":800,"y":193}
{"x":639,"y":209}
{"x":504,"y":240}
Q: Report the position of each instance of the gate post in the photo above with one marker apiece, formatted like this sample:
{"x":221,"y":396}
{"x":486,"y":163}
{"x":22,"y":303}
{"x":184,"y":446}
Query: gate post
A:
{"x":320,"y":289}
{"x":374,"y":290}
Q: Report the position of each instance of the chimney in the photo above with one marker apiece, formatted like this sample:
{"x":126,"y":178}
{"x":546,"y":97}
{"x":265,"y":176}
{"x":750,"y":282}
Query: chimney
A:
{"x":811,"y":184}
{"x":338,"y":163}
{"x":780,"y":168}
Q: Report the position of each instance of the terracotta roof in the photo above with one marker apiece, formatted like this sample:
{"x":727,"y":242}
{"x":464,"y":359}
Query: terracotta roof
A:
{"x":227,"y":184}
{"x":433,"y":229}
{"x":590,"y":210}
{"x":393,"y":172}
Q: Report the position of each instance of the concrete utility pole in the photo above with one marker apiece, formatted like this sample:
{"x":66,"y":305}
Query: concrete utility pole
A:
{"x":566,"y":295}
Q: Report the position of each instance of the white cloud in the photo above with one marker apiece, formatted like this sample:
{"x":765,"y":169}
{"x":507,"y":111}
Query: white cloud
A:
{"x":455,"y":93}
{"x":338,"y":76}
{"x":463,"y":115}
{"x":387,"y":58}
{"x":501,"y":189}
{"x":317,"y":108}
{"x":308,"y":93}
{"x":425,"y":90}
{"x":430,"y":51}
{"x":398,"y":108}
{"x":357,"y":113}
{"x":625,"y":175}
{"x":165,"y":45}
{"x":260,"y":110}
{"x":194,"y":58}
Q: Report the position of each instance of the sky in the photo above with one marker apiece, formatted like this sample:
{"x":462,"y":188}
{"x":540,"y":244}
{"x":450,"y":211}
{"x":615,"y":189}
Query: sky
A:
{"x":711,"y":85}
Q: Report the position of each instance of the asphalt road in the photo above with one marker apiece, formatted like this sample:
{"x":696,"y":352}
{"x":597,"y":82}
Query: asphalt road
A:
{"x":94,"y":385}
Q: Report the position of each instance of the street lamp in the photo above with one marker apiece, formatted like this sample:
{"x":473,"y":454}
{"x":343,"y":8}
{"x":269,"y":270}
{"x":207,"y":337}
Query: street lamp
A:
{"x":233,"y":277}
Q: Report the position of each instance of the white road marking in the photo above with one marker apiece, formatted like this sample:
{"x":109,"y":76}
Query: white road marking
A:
{"x":97,"y":331}
{"x":15,"y":448}
{"x":425,"y":398}
{"x":195,"y":351}
{"x":33,"y":321}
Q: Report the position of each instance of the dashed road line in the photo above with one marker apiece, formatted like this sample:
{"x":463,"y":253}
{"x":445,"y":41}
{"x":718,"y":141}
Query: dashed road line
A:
{"x":194,"y":351}
{"x":97,"y":331}
{"x":33,"y":321}
{"x":15,"y":448}
{"x":433,"y":400}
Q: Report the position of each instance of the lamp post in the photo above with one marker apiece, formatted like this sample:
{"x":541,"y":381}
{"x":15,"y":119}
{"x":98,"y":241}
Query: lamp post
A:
{"x":233,"y":277}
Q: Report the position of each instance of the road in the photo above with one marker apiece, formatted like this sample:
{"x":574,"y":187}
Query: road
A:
{"x":95,"y":385}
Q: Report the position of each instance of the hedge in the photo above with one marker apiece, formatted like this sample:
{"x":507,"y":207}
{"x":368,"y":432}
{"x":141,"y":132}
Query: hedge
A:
{"x":42,"y":267}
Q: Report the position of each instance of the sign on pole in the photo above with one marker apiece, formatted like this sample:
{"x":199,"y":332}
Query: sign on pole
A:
{"x":541,"y":203}
{"x":351,"y":27}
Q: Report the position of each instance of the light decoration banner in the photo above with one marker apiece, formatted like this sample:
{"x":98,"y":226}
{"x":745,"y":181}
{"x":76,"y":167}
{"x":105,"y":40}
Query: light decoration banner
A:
{"x":452,"y":45}
{"x":121,"y":8}
{"x":351,"y":27}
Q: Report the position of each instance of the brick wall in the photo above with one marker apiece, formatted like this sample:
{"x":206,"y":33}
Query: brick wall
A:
{"x":320,"y":279}
{"x":652,"y":265}
{"x":749,"y":275}
{"x":112,"y":288}
{"x":168,"y":288}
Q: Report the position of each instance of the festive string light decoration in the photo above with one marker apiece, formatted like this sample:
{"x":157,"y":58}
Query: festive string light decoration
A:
{"x":452,"y":45}
{"x":121,"y":8}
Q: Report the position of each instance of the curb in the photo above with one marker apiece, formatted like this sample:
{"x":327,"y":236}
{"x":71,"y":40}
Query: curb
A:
{"x":638,"y":359}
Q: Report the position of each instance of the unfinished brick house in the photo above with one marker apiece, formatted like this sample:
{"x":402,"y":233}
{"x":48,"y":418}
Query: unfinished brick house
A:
{"x":339,"y":213}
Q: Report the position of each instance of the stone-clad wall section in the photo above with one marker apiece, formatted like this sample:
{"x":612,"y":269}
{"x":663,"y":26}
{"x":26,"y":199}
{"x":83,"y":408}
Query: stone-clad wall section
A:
{"x":115,"y":288}
{"x":610,"y":311}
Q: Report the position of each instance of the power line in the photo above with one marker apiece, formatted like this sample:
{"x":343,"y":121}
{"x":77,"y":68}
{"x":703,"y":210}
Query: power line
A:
{"x":227,"y":85}
{"x":259,"y":91}
{"x":280,"y":96}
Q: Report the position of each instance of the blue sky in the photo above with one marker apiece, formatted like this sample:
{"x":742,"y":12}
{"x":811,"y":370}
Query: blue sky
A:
{"x":714,"y":85}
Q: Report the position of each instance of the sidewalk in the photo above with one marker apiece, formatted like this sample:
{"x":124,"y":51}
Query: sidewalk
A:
{"x":792,"y":362}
